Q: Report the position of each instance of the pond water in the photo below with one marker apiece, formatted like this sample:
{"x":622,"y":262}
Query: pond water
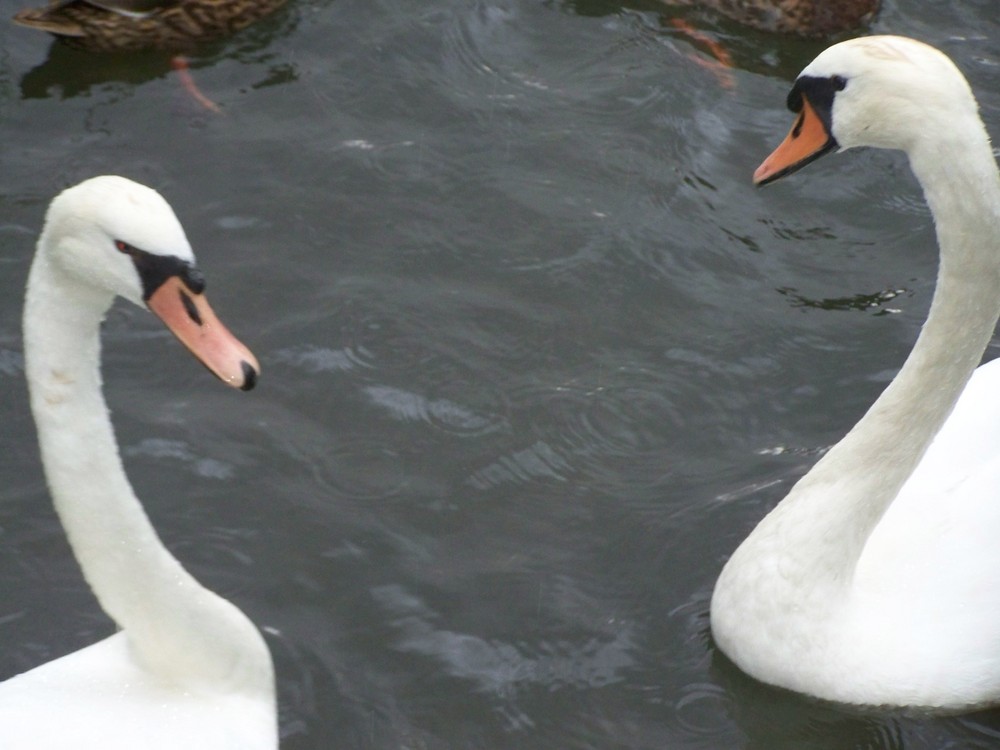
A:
{"x":536,"y":356}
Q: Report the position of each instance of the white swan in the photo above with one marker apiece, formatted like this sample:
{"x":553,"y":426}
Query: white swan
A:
{"x":187,"y":669}
{"x":877,"y":579}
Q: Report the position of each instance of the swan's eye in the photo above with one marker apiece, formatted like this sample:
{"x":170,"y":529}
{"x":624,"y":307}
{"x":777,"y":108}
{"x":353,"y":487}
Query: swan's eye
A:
{"x":193,"y":278}
{"x":839,"y":82}
{"x":124,"y":247}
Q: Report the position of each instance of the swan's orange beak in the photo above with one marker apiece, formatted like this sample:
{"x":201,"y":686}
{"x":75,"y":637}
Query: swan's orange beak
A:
{"x":806,"y":141}
{"x":189,"y":316}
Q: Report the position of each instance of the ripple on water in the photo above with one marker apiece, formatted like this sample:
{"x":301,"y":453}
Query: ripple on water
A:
{"x":223,"y":550}
{"x":522,"y":465}
{"x":362,"y":469}
{"x":586,"y":431}
{"x":703,"y":709}
{"x":313,"y":358}
{"x":910,"y":203}
{"x":351,"y":331}
{"x":177,"y":450}
{"x":499,"y":667}
{"x":482,"y":51}
{"x":11,"y":363}
{"x":441,"y":413}
{"x":985,"y":730}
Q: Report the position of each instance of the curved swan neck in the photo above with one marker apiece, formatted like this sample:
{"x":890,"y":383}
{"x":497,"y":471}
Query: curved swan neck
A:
{"x":824,"y":523}
{"x":177,"y":628}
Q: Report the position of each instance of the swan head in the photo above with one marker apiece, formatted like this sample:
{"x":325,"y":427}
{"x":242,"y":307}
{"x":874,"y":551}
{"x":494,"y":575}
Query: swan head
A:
{"x":109,"y":236}
{"x":881,"y":91}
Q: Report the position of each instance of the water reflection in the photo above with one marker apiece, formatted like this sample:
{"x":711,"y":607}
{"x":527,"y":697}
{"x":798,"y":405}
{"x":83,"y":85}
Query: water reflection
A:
{"x":527,"y":382}
{"x":771,"y":717}
{"x":68,"y":73}
{"x":877,"y":301}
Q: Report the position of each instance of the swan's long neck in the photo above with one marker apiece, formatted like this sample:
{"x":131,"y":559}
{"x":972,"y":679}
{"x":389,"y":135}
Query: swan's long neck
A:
{"x":816,"y":536}
{"x":177,"y":628}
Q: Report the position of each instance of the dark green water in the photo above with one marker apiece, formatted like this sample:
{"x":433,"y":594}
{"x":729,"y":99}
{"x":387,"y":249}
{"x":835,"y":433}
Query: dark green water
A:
{"x":536,"y":356}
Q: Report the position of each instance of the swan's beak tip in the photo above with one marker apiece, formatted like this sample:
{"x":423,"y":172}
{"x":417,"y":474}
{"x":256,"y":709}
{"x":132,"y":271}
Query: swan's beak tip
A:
{"x":249,"y":376}
{"x":765,"y":174}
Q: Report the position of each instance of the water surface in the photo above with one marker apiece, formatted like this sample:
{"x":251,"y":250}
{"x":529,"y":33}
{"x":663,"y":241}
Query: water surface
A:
{"x":536,"y":356}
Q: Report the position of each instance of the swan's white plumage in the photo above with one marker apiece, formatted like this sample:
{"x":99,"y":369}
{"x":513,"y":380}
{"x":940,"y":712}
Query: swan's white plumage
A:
{"x":874,"y":580}
{"x":98,"y":697}
{"x":187,"y":669}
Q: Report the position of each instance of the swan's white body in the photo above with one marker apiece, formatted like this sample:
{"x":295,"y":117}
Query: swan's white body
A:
{"x":877,"y":579}
{"x":187,"y":669}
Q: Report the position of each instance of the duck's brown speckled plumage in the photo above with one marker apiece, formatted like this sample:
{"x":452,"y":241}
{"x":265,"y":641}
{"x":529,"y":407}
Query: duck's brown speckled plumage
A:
{"x":128,"y":25}
{"x":811,"y":18}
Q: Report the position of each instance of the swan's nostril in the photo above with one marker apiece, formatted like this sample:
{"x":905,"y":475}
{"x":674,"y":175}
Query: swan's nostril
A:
{"x":189,"y":307}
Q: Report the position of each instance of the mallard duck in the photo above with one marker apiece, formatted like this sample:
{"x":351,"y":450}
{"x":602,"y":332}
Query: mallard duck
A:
{"x":129,"y":25}
{"x":802,"y":17}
